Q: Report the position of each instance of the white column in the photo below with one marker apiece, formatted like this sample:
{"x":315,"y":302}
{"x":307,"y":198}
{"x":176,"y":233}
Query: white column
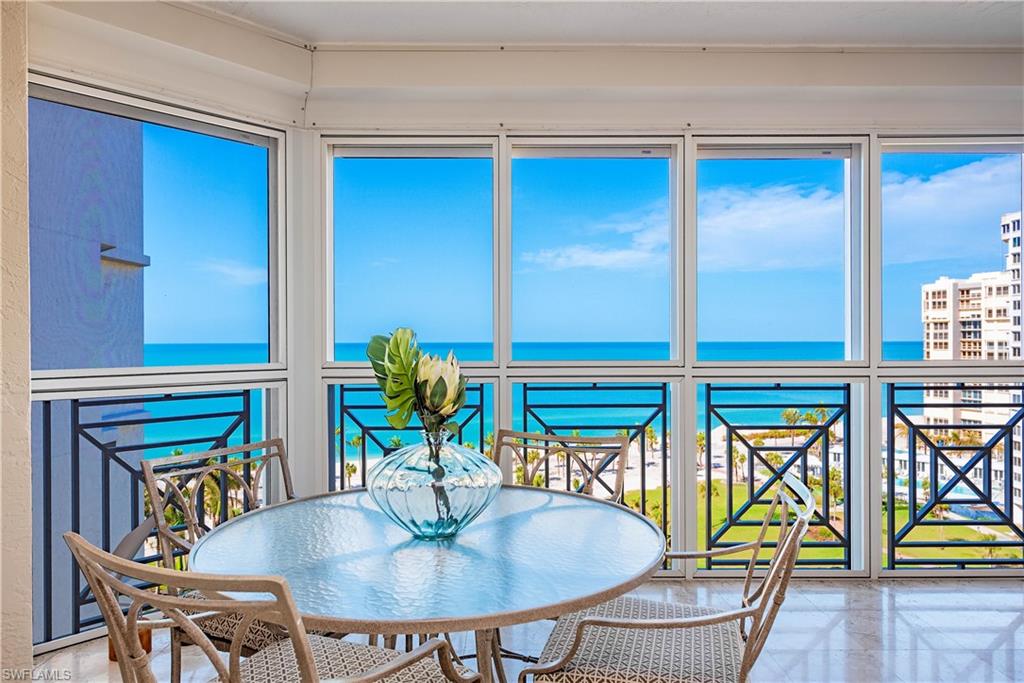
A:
{"x":15,"y":450}
{"x":307,"y":395}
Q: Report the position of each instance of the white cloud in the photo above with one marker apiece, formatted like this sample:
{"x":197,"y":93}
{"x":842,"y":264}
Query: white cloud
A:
{"x":235,"y":272}
{"x":771,"y":227}
{"x":648,"y":231}
{"x":952,"y":214}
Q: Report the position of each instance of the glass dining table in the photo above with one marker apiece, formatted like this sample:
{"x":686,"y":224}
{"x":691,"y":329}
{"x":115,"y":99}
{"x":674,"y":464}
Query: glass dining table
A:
{"x":533,"y":554}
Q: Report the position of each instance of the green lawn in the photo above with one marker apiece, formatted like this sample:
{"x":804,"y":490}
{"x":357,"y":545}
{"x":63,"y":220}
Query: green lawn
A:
{"x":949,"y":533}
{"x":740,"y":534}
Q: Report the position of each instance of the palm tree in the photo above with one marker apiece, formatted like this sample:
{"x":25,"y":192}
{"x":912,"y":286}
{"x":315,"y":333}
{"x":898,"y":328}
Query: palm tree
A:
{"x":489,"y":443}
{"x":900,"y":430}
{"x":350,"y":471}
{"x":652,"y":437}
{"x":396,"y":441}
{"x":702,"y":443}
{"x":822,"y":414}
{"x":791,"y":416}
{"x":835,"y":489}
{"x":990,"y":551}
{"x":739,"y":458}
{"x":356,"y":441}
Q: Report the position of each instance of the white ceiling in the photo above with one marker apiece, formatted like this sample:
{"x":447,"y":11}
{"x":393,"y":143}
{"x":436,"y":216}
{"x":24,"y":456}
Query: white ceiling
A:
{"x":700,"y":23}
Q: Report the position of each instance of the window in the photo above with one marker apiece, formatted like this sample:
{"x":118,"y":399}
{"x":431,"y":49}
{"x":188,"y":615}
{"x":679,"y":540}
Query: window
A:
{"x":775,"y":229}
{"x":413,"y":238}
{"x":949,"y":217}
{"x":154,"y":246}
{"x":150,"y":238}
{"x":591,"y":253}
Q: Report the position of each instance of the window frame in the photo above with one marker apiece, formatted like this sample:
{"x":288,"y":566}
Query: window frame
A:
{"x":856,"y":238}
{"x":963,"y":144}
{"x":683,"y":374}
{"x":582,"y":147}
{"x":400,"y":147}
{"x":149,"y":111}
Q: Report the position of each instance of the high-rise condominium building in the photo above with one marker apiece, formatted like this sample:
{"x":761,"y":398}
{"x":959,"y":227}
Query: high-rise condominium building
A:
{"x":978,"y":318}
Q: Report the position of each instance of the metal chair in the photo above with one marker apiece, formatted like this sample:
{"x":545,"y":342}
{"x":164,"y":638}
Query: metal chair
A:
{"x":125,"y":593}
{"x":647,"y":641}
{"x":188,"y":496}
{"x":589,"y":457}
{"x":179,"y":488}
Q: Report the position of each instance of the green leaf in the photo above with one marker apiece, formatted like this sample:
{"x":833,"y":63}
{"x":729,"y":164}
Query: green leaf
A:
{"x":376,"y":350}
{"x":438,"y":393}
{"x":453,"y":427}
{"x":394,"y":361}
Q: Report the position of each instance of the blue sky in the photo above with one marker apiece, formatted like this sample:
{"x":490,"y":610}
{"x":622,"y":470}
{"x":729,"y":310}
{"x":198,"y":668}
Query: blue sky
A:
{"x":205,"y":231}
{"x":590,"y":252}
{"x":770,"y":249}
{"x":412,"y":247}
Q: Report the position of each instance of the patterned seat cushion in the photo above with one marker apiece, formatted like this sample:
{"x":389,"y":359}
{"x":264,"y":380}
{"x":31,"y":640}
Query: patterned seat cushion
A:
{"x":707,"y":654}
{"x":335,"y":659}
{"x":222,"y":627}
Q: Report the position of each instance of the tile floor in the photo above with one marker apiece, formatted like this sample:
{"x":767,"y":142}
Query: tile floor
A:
{"x":828,"y":630}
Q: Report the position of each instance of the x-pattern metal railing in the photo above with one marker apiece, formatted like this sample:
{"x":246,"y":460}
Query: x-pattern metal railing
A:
{"x":764,"y":471}
{"x":645,"y":404}
{"x":359,"y":407}
{"x":960,"y":487}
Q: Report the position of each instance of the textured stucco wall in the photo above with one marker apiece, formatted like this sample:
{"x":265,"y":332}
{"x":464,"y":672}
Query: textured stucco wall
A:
{"x":15,"y":474}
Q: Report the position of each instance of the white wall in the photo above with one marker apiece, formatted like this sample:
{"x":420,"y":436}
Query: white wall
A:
{"x":198,"y":60}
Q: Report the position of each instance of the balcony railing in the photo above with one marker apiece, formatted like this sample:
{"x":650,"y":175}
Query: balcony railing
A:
{"x":86,"y":476}
{"x":755,"y":434}
{"x":639,"y":410}
{"x":952,"y":485}
{"x":358,"y":433}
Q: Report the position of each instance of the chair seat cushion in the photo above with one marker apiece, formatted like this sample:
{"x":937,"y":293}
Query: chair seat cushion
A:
{"x":335,"y":659}
{"x":706,"y":654}
{"x":222,"y":627}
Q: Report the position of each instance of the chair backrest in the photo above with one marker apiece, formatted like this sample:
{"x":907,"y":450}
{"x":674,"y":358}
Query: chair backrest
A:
{"x":124,"y":593}
{"x":767,"y":595}
{"x":192,"y":493}
{"x":585,"y":458}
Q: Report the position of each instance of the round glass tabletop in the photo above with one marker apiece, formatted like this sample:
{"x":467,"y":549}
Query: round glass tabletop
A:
{"x":533,"y":554}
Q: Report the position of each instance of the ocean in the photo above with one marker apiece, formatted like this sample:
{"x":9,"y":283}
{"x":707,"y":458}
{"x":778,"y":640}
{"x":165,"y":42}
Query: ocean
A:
{"x":616,"y":407}
{"x":236,"y":354}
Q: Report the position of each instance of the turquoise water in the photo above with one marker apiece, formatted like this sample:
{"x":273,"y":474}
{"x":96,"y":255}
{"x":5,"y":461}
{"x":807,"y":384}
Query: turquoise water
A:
{"x":717,"y":350}
{"x":232,"y":354}
{"x":613,"y":414}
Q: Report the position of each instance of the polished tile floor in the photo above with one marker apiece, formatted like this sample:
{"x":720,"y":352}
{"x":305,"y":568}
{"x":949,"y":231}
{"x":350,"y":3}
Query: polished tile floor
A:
{"x":828,"y":630}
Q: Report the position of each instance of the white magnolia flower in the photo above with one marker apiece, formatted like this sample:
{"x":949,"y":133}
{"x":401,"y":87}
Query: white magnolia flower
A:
{"x":431,"y":369}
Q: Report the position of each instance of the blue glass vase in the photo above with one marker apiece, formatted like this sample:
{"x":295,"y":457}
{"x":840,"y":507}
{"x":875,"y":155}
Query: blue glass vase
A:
{"x":435,"y":488}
